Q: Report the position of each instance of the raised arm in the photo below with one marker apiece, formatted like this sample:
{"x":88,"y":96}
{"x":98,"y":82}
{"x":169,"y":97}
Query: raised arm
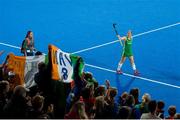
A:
{"x":121,"y":38}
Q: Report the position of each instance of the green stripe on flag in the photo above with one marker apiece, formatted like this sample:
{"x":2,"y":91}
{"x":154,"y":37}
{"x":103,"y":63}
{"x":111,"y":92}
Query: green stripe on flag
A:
{"x":75,"y":59}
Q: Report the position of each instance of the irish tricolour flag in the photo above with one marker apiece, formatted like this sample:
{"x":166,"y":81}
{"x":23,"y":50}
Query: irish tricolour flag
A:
{"x":25,"y":68}
{"x":62,"y":64}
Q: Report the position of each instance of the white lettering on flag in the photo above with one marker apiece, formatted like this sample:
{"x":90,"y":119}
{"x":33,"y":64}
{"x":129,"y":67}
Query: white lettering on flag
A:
{"x":65,"y":67}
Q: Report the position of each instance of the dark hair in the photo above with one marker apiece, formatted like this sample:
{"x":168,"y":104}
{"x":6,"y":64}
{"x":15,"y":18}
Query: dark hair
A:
{"x":3,"y":85}
{"x":27,"y":34}
{"x":37,"y":101}
{"x":130,"y":100}
{"x":134,"y":92}
{"x":172,"y":110}
{"x":19,"y":90}
{"x":160,"y":104}
{"x":113,"y":92}
{"x":88,"y":75}
{"x":42,"y":66}
{"x":152,"y":106}
{"x":38,"y":53}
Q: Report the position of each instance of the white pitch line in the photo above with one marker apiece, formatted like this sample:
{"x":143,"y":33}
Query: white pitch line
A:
{"x":9,"y":45}
{"x":137,"y":35}
{"x":154,"y":30}
{"x":129,"y":75}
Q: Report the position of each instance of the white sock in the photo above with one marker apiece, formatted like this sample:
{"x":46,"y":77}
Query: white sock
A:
{"x":119,"y":66}
{"x":133,"y":66}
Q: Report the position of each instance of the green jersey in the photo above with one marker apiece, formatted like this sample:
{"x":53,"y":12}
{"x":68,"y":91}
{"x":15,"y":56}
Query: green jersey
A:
{"x":127,"y":50}
{"x":28,"y":44}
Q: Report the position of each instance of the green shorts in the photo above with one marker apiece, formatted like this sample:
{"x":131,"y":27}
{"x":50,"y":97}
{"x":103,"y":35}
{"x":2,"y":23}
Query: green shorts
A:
{"x":126,"y":54}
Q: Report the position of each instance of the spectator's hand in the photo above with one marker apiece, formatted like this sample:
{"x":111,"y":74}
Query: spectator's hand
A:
{"x":107,"y":84}
{"x":28,"y":98}
{"x":50,"y":108}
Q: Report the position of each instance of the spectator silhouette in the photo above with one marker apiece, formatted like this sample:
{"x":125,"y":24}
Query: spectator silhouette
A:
{"x":17,"y":106}
{"x":4,"y":89}
{"x":152,"y":106}
{"x":160,"y":111}
{"x":172,"y":112}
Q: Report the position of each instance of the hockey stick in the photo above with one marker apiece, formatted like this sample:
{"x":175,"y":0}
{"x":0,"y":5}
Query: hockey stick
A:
{"x":114,"y":26}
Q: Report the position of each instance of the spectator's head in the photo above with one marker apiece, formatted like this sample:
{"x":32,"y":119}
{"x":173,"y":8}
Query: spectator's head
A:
{"x":130,"y":101}
{"x":172,"y":110}
{"x":110,"y":95}
{"x":113,"y":92}
{"x":134,"y":92}
{"x":146,"y":98}
{"x":124,"y":95}
{"x":88,"y":76}
{"x":38,"y":102}
{"x":38,"y":53}
{"x":122,"y":98}
{"x":19,"y":90}
{"x":4,"y":86}
{"x":41,"y":66}
{"x":77,"y":111}
{"x":100,"y":91}
{"x":152,"y":106}
{"x":29,"y":34}
{"x":160,"y":105}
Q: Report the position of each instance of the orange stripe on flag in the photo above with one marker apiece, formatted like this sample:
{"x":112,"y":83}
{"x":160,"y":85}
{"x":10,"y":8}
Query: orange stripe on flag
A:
{"x":53,"y":56}
{"x":17,"y":63}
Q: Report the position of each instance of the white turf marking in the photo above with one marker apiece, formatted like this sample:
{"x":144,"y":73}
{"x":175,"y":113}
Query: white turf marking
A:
{"x":129,"y":75}
{"x":8,"y":45}
{"x":143,"y":33}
